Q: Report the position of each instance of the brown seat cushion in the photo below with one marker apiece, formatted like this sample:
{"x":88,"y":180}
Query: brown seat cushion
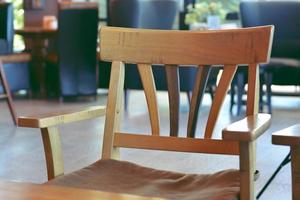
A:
{"x":125,"y":177}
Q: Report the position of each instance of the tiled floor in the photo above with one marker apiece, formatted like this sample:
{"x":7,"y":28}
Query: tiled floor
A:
{"x":22,"y":159}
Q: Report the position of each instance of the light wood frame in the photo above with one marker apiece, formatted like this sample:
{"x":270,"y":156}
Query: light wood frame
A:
{"x":172,"y":48}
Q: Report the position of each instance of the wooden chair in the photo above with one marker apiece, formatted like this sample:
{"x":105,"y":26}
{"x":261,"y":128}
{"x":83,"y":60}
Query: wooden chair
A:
{"x":291,"y":137}
{"x":10,"y":58}
{"x":145,"y":47}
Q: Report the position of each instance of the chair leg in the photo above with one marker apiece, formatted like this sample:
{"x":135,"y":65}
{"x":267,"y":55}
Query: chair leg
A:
{"x":211,"y":92}
{"x":126,"y":96}
{"x":268,"y":82}
{"x":261,"y":94}
{"x":285,"y":161}
{"x":6,"y":91}
{"x":189,"y":96}
{"x":232,"y":95}
{"x":240,"y":92}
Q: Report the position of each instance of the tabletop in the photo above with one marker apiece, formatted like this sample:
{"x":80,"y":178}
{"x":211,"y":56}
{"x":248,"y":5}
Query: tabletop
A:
{"x":31,"y":31}
{"x":28,"y":191}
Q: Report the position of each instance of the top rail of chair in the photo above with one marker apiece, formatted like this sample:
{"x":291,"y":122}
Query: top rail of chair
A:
{"x":213,"y":47}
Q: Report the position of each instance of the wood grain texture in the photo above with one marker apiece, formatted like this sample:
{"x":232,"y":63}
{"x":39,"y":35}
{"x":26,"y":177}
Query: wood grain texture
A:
{"x":27,"y":191}
{"x":58,"y":118}
{"x":229,"y":47}
{"x":289,"y":136}
{"x":247,"y":129}
{"x":15,"y":58}
{"x":7,"y":94}
{"x":147,"y":78}
{"x":198,"y":93}
{"x":176,"y":144}
{"x":114,"y":109}
{"x":247,"y":169}
{"x":201,"y":48}
{"x":221,"y":91}
{"x":172,"y":73}
{"x":53,"y":152}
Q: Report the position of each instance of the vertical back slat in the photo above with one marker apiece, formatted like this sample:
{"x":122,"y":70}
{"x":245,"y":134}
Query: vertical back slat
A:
{"x":253,"y":95}
{"x":114,"y":109}
{"x":174,"y":97}
{"x":227,"y":76}
{"x":198,"y":92}
{"x":150,"y":92}
{"x":253,"y":89}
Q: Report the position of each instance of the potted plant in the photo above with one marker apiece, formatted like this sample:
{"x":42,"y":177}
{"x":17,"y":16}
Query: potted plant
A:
{"x":209,"y":13}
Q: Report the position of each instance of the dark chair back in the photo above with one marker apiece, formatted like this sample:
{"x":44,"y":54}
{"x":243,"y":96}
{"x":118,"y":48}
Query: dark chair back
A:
{"x":153,"y":14}
{"x":6,"y":28}
{"x":77,"y":56}
{"x":284,"y":15}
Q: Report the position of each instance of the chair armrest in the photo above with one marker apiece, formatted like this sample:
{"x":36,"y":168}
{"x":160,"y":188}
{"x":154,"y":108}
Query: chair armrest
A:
{"x":14,"y":58}
{"x":54,"y":119}
{"x":289,"y":136}
{"x":247,"y":129}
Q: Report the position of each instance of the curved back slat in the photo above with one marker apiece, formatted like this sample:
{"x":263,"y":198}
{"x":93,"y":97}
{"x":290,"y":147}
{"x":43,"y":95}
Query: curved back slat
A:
{"x":150,"y":92}
{"x":223,"y":86}
{"x":174,"y":98}
{"x":198,"y":92}
{"x":186,"y":47}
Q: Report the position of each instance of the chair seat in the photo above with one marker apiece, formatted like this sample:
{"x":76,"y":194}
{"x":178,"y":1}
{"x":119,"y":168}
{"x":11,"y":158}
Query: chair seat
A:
{"x":125,"y":177}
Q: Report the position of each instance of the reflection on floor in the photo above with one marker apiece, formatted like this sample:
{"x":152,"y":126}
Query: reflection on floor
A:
{"x":21,"y":151}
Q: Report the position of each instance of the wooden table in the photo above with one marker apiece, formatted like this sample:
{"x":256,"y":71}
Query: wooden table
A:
{"x":36,"y":41}
{"x":26,"y":191}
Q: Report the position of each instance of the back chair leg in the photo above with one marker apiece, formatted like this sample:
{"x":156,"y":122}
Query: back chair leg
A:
{"x":7,"y":94}
{"x":240,"y":92}
{"x":126,"y":99}
{"x":269,"y":79}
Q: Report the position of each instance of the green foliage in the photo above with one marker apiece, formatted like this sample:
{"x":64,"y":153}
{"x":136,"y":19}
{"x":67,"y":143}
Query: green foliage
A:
{"x":18,"y":13}
{"x":204,"y":8}
{"x":18,"y":22}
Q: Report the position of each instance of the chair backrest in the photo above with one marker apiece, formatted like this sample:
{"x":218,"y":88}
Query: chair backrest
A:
{"x":204,"y":50}
{"x":154,"y":14}
{"x":284,"y":15}
{"x":77,"y":46}
{"x":6,"y":28}
{"x":151,"y":14}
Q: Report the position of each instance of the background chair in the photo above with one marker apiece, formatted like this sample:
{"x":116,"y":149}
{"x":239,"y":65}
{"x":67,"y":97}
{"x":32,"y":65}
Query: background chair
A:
{"x":151,"y":14}
{"x":72,"y":72}
{"x":144,"y":48}
{"x":291,"y":137}
{"x":284,"y":67}
{"x":14,"y":72}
